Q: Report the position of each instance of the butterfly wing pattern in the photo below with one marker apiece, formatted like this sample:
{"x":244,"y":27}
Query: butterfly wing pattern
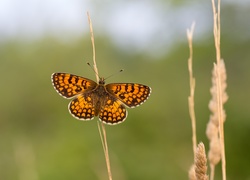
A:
{"x":69,"y":85}
{"x":82,"y":108}
{"x":131,"y":94}
{"x":106,"y":101}
{"x":113,"y":111}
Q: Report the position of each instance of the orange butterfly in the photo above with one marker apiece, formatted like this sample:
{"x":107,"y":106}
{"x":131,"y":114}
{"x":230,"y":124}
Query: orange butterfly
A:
{"x":91,"y":99}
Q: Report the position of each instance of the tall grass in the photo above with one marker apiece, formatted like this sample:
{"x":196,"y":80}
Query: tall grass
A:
{"x":199,"y":169}
{"x":215,"y":126}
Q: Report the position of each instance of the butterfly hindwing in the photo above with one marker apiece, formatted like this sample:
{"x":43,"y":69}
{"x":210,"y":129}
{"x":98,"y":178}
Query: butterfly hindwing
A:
{"x":82,"y":107}
{"x":113,"y":111}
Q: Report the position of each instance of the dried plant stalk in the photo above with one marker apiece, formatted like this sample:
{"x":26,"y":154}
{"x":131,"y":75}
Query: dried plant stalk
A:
{"x":190,"y":32}
{"x":192,"y":86}
{"x":191,"y":96}
{"x":102,"y":130}
{"x":220,"y":92}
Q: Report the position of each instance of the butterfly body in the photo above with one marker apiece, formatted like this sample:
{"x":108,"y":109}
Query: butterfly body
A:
{"x":99,"y":97}
{"x":106,"y":101}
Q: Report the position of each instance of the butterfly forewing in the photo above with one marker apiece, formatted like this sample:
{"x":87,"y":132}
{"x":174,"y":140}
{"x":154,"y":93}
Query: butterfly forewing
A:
{"x":69,"y":85}
{"x":130,"y":94}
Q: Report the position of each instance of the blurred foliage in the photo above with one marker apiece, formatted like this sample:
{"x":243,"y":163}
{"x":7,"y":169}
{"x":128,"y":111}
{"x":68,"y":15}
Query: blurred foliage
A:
{"x":39,"y":139}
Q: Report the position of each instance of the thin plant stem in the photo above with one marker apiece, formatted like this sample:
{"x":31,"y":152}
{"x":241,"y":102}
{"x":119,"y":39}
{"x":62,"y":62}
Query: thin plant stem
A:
{"x":219,"y":89}
{"x":192,"y":87}
{"x":102,"y":130}
{"x":93,"y":46}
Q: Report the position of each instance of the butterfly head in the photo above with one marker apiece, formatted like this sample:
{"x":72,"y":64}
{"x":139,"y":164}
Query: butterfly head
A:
{"x":101,"y":81}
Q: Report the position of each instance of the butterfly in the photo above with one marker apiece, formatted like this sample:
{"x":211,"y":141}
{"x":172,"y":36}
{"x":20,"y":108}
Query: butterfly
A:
{"x":108,"y":101}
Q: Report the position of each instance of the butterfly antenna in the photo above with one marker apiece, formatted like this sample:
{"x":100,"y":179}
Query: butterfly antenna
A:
{"x":121,"y":70}
{"x":93,"y":69}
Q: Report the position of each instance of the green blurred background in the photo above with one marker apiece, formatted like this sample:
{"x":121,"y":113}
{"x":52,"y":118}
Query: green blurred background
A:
{"x":40,"y":140}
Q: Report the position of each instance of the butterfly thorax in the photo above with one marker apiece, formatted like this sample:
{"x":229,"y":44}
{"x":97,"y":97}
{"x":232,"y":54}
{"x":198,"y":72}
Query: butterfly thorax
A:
{"x":99,"y":96}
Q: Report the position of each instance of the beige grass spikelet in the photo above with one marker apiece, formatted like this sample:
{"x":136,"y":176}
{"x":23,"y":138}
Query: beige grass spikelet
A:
{"x":212,"y":132}
{"x":198,"y":170}
{"x":201,"y":163}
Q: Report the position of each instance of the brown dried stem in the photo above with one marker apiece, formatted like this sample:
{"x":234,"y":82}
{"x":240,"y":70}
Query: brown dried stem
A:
{"x":219,"y":84}
{"x":192,"y":86}
{"x":101,"y":129}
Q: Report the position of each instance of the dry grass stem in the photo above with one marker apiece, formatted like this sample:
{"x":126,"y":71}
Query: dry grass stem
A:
{"x":216,"y":29}
{"x":93,"y":46}
{"x":102,"y":130}
{"x":201,"y":163}
{"x":192,"y":86}
{"x":219,"y":87}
